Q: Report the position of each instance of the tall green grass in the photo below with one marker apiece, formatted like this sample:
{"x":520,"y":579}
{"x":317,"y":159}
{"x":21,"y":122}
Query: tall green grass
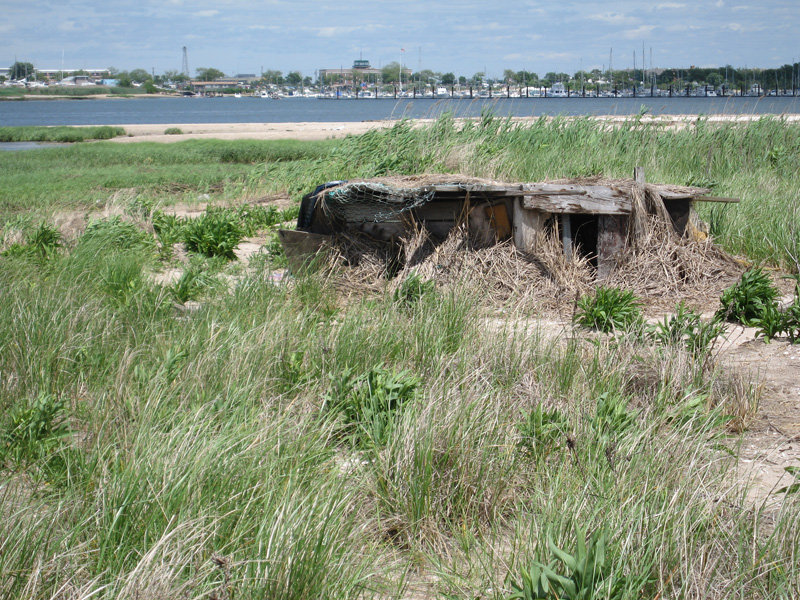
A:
{"x":754,"y":161}
{"x":200,"y":458}
{"x":149,"y":449}
{"x":58,"y":134}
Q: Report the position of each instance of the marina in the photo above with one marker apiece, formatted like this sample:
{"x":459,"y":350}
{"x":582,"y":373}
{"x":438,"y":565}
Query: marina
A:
{"x":248,"y":109}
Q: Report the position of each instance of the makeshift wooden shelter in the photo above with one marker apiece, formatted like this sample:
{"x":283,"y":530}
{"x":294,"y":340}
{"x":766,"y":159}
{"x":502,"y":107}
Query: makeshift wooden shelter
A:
{"x":597,"y":218}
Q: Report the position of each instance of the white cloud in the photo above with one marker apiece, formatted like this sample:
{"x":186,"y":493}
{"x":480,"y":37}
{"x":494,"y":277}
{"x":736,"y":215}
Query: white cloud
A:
{"x":69,"y":26}
{"x":669,"y":5}
{"x":333,"y":31}
{"x":614,"y":18}
{"x":682,"y":27}
{"x":639,"y":32}
{"x":206,"y":13}
{"x":720,"y":3}
{"x":482,"y":27}
{"x":739,"y":28}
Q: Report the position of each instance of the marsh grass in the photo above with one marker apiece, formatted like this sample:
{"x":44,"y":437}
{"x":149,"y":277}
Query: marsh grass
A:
{"x":59,"y":134}
{"x":755,"y":161}
{"x":192,"y":452}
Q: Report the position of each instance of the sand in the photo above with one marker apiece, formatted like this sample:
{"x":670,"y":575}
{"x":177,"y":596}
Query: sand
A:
{"x":249,"y":131}
{"x":331,"y":130}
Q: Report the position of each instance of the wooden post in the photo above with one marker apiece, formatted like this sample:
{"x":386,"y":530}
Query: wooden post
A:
{"x":611,"y":232}
{"x":527,"y":225}
{"x":566,"y":235}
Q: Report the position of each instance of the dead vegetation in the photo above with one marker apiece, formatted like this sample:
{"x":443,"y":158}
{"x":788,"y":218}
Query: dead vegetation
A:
{"x":660,"y":268}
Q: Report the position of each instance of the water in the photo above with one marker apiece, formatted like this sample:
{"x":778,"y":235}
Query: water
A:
{"x":291,"y":110}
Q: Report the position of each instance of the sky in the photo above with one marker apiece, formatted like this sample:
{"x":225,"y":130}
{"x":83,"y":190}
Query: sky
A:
{"x":459,"y":36}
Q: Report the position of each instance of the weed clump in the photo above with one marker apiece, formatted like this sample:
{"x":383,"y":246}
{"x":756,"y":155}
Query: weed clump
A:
{"x":753,"y":302}
{"x":368,"y":403}
{"x":609,"y":310}
{"x":212,"y":234}
{"x":34,"y":430}
{"x":746,"y":301}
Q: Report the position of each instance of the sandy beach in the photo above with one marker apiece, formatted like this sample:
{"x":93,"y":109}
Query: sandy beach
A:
{"x":332,"y":130}
{"x":248,"y":131}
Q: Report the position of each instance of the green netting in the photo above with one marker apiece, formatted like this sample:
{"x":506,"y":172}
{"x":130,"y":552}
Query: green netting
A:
{"x":395,"y":199}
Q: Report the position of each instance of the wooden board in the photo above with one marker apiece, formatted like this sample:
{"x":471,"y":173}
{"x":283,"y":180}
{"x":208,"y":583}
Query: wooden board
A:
{"x":576,"y":199}
{"x":301,"y":247}
{"x":582,"y":204}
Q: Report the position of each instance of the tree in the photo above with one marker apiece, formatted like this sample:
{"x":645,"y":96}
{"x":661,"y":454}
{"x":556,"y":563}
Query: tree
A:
{"x":294,"y":78}
{"x":272,"y":76}
{"x":509,"y":76}
{"x":526,"y":77}
{"x":391,"y":73}
{"x":209,"y":74}
{"x":448,"y":79}
{"x":124,"y":80}
{"x":21,"y":70}
{"x":714,"y":79}
{"x":140,"y":75}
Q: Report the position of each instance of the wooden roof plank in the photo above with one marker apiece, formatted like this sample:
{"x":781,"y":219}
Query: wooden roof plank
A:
{"x":578,"y":204}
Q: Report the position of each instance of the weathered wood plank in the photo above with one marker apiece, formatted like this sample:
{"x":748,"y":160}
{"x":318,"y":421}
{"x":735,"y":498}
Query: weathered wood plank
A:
{"x":717,"y":199}
{"x":587,"y":204}
{"x":576,"y":199}
{"x":576,"y":192}
{"x":566,"y":236}
{"x":611,"y":235}
{"x":301,"y":248}
{"x":471,"y":187}
{"x":527,"y":225}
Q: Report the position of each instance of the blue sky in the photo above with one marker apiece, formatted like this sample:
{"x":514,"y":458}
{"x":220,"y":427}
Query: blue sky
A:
{"x":461,"y":36}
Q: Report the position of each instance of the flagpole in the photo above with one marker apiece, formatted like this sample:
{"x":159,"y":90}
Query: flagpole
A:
{"x":400,"y":74}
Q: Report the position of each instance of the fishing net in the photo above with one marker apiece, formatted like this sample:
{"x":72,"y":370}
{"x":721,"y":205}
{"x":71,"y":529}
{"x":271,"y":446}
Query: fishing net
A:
{"x":386,"y":199}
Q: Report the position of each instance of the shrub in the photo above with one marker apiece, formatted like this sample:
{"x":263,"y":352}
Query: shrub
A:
{"x":35,"y":430}
{"x":121,"y":277}
{"x":368,"y":403}
{"x":611,"y":415}
{"x":745,"y":301}
{"x":192,"y":283}
{"x":588,"y":574}
{"x":173,"y":131}
{"x":45,"y":240}
{"x":608,"y":310}
{"x":542,"y":429}
{"x":412,"y":289}
{"x":42,"y":243}
{"x":687,"y":328}
{"x":214,"y":233}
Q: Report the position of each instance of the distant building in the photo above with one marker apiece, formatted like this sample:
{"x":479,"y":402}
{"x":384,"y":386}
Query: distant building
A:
{"x":57,"y":74}
{"x":360,"y":72}
{"x":79,"y":80}
{"x":215,"y":86}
